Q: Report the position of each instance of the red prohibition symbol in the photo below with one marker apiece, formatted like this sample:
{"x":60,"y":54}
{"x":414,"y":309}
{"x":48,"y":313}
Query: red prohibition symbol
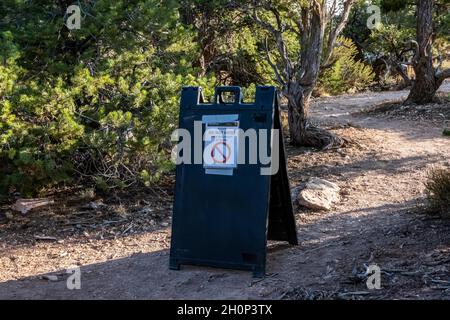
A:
{"x":217,"y":152}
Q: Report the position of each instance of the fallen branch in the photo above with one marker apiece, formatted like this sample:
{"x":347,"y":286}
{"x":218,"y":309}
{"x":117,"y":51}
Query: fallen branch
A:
{"x":25,"y":205}
{"x":45,"y":238}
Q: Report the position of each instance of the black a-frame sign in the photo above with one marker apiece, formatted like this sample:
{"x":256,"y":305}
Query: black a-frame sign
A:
{"x":225,"y":211}
{"x":281,"y":215}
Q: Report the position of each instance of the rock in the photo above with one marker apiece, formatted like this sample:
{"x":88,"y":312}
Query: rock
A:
{"x":94,"y":205}
{"x":164,"y":224}
{"x":319,"y":194}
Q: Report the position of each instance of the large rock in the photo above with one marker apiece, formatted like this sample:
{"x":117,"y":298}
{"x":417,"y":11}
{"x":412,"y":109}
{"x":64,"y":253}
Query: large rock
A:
{"x":318,"y":194}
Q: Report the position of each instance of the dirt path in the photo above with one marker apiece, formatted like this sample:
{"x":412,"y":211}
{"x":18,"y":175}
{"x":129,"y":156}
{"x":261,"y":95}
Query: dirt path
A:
{"x":375,"y":223}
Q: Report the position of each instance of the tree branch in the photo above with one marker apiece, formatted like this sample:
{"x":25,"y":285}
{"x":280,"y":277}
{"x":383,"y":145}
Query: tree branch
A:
{"x":274,"y":67}
{"x":337,"y":30}
{"x":312,"y":43}
{"x":281,"y":45}
{"x":442,"y":75}
{"x":416,"y":51}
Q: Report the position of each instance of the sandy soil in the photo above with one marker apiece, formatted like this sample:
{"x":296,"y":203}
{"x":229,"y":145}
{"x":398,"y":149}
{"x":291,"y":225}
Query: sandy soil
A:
{"x":123,"y":248}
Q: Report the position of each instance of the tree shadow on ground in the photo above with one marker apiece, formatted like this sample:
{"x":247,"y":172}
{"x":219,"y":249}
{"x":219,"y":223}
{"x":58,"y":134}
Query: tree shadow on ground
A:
{"x":371,"y":163}
{"x":324,"y":261}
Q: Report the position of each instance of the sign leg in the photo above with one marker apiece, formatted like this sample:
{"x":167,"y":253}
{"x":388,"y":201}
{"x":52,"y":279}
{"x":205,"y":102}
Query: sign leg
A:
{"x":174,"y":265}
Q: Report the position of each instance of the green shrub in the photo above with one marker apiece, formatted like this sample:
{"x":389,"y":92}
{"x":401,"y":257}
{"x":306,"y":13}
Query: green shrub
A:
{"x":346,"y":74}
{"x":438,"y":191}
{"x":103,"y":110}
{"x":446,"y":132}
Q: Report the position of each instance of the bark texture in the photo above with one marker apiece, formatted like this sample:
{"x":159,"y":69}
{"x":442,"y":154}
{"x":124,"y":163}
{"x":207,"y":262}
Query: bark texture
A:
{"x":428,"y":79}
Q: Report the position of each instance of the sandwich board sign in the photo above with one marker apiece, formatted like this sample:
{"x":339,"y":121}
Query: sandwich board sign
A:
{"x":227,"y":204}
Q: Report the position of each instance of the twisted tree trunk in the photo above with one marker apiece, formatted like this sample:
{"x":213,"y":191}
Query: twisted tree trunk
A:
{"x":301,"y":131}
{"x":425,"y":87}
{"x":298,"y":77}
{"x":298,"y":111}
{"x":314,"y":54}
{"x":428,"y":79}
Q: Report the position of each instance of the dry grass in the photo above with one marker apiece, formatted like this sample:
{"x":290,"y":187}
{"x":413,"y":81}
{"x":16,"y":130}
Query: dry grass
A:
{"x":438,"y":191}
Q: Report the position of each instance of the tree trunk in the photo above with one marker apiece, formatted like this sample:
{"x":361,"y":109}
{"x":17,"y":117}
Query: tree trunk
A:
{"x":426,"y":83}
{"x":298,"y":109}
{"x":299,"y":90}
{"x":302,"y":133}
{"x":298,"y":78}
